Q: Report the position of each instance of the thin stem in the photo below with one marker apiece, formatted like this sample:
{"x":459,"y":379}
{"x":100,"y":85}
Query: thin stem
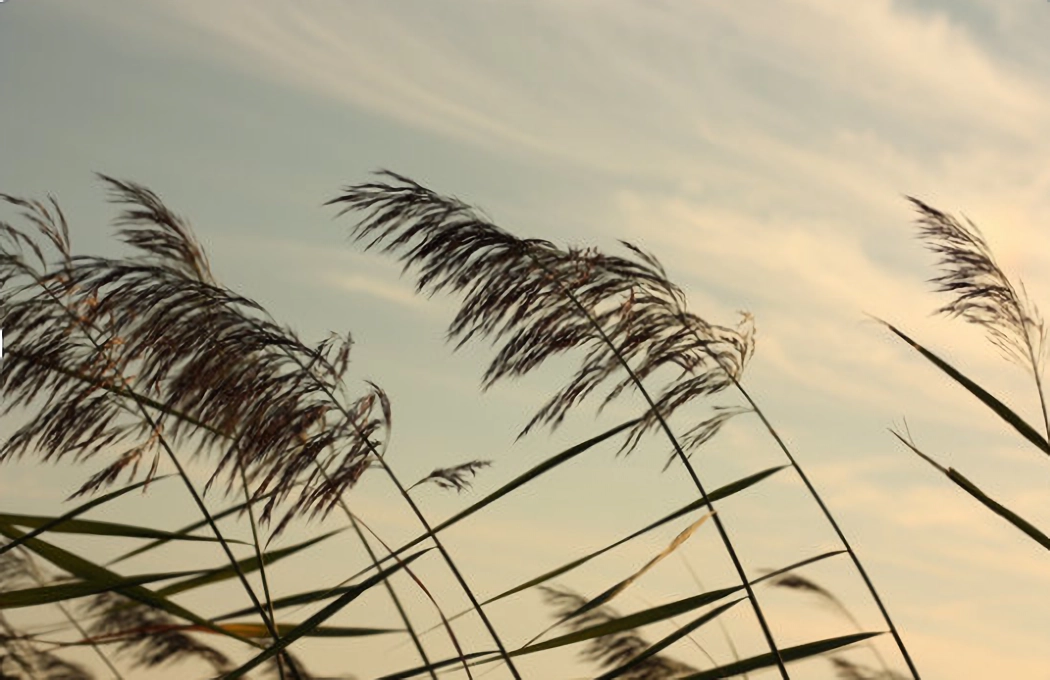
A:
{"x":721,"y":624}
{"x":1039,"y":390}
{"x":752,"y":598}
{"x":838,"y":531}
{"x":426,"y":525}
{"x":86,"y":329}
{"x":451,"y":565}
{"x":444,"y":621}
{"x":393,"y":595}
{"x":38,"y":577}
{"x":827,"y":513}
{"x":262,"y":570}
{"x":94,"y":645}
{"x":673,"y":622}
{"x":386,"y":582}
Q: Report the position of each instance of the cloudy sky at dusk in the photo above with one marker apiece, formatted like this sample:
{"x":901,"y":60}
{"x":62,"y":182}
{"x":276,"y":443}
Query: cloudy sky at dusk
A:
{"x":761,"y":149}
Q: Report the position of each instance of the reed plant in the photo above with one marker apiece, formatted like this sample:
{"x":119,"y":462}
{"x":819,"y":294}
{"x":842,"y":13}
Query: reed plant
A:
{"x":148,"y":360}
{"x":982,"y":294}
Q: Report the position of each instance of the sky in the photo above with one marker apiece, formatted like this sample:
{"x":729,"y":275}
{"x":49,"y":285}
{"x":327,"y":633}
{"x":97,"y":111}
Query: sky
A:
{"x":761,"y":149}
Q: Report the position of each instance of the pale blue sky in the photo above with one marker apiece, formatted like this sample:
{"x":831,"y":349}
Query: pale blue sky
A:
{"x":761,"y":149}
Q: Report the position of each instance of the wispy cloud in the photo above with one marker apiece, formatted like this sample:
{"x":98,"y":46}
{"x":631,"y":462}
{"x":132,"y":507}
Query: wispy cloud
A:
{"x":374,"y":287}
{"x":790,"y":115}
{"x":804,"y":119}
{"x":721,"y":71}
{"x":339,"y":268}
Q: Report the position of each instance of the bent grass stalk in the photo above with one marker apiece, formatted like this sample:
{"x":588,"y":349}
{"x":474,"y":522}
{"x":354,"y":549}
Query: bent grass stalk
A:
{"x":983,"y":295}
{"x":86,"y":329}
{"x":59,"y":237}
{"x":722,"y":533}
{"x":435,"y":219}
{"x":588,"y":314}
{"x":155,"y":212}
{"x":835,"y":525}
{"x":423,"y":521}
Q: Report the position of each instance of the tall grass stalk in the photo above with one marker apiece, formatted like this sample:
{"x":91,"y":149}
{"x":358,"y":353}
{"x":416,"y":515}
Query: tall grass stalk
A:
{"x":455,"y":249}
{"x":445,"y":254}
{"x":983,"y":295}
{"x":56,"y":230}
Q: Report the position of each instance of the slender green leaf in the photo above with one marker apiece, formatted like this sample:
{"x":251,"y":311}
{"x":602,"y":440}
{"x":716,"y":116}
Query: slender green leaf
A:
{"x":1001,"y":510}
{"x":972,"y":489}
{"x":89,"y":571}
{"x":766,"y":660}
{"x":258,"y":630}
{"x":669,"y":640}
{"x":312,"y":623}
{"x":247,"y":565}
{"x":623,"y":585}
{"x":96,"y":528}
{"x":619,"y":625}
{"x":437,"y":665}
{"x":626,"y":583}
{"x":186,"y":530}
{"x":297,"y":599}
{"x":716,"y":495}
{"x":632,"y":621}
{"x":79,"y":510}
{"x":522,"y":479}
{"x":797,"y":565}
{"x":1001,"y":409}
{"x":31,"y":597}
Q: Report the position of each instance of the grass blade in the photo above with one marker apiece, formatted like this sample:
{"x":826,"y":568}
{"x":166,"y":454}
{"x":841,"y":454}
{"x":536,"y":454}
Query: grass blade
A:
{"x":522,"y":479}
{"x":604,"y":598}
{"x":96,"y":528}
{"x":79,"y":510}
{"x":1001,"y":409}
{"x":32,"y":597}
{"x":257,"y":630}
{"x":1001,"y":510}
{"x":246,"y":565}
{"x":295,"y":600}
{"x":437,"y":665}
{"x":58,"y":593}
{"x":528,"y":476}
{"x":681,"y":538}
{"x":85,"y":569}
{"x":185,"y":530}
{"x":667,"y":641}
{"x":632,"y":621}
{"x":795,"y":653}
{"x":624,"y":623}
{"x":716,"y":495}
{"x":969,"y":487}
{"x":314,"y":622}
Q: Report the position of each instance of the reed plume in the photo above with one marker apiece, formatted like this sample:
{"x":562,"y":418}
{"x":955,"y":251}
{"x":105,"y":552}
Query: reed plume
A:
{"x":527,"y":295}
{"x":983,"y":294}
{"x":79,"y":327}
{"x":535,"y":301}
